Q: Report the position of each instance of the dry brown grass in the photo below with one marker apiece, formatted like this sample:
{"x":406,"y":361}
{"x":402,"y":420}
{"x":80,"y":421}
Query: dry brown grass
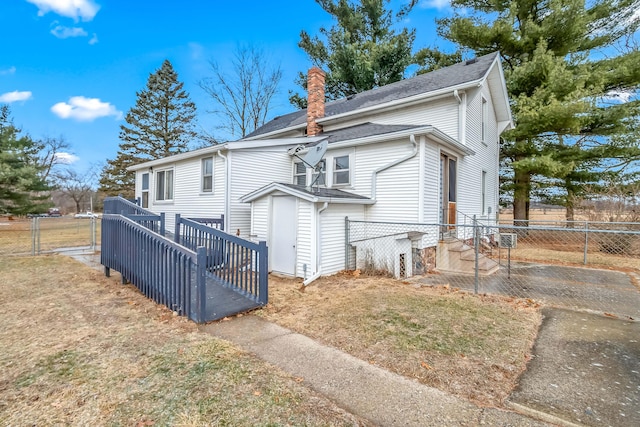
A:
{"x":81,"y":349}
{"x":468,"y":345}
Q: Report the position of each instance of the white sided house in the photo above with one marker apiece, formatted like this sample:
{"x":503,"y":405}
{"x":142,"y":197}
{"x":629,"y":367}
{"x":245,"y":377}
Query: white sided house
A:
{"x":422,"y":150}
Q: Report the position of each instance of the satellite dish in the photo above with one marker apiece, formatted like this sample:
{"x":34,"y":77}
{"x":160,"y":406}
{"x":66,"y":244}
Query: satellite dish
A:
{"x":315,"y":154}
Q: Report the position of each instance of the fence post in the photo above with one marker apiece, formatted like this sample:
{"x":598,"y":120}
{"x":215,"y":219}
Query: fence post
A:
{"x":476,"y":244}
{"x":162,"y":228}
{"x":33,"y":235}
{"x":586,"y":240}
{"x":201,"y":280}
{"x":346,"y":243}
{"x":93,"y":234}
{"x":176,"y":237}
{"x":263,"y":273}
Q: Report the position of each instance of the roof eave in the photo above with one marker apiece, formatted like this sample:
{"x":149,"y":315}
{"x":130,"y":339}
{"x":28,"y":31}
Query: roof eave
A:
{"x":178,"y":157}
{"x":274,"y":186}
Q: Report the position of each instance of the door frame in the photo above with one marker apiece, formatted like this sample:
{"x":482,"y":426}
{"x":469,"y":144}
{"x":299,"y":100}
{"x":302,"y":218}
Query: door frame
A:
{"x":273,"y":233}
{"x":449,"y":188}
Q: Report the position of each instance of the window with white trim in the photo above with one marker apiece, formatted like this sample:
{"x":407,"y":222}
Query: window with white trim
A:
{"x":164,"y":185}
{"x":207,"y":175}
{"x":300,"y":173}
{"x":145,"y":190}
{"x":341,"y":174}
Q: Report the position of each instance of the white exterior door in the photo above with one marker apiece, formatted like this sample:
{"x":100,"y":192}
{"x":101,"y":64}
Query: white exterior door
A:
{"x":283,"y":235}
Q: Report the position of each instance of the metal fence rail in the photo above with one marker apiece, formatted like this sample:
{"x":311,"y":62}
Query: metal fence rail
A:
{"x":234,"y":262}
{"x":162,"y":270}
{"x":595,"y":266}
{"x":39,"y":235}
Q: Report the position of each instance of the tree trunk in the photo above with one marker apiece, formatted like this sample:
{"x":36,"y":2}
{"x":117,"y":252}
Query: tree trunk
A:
{"x":521,"y":190}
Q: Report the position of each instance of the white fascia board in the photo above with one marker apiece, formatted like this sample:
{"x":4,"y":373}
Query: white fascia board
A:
{"x":177,"y":157}
{"x":275,"y":142}
{"x":233,"y":145}
{"x":502,"y":89}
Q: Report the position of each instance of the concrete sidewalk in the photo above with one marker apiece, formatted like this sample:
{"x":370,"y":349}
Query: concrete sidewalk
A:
{"x":363,"y":389}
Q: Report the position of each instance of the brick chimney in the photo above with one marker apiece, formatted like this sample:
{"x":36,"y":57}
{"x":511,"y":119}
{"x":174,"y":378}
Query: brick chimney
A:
{"x":315,"y":100}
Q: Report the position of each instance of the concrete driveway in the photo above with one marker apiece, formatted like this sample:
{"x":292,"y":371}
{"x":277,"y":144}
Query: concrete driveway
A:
{"x":585,"y":370}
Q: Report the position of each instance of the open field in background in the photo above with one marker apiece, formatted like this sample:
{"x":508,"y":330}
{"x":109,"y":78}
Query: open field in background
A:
{"x":80,"y":349}
{"x":16,"y":235}
{"x":470,"y":345}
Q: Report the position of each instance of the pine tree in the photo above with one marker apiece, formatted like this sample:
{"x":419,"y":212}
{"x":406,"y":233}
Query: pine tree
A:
{"x":22,"y":188}
{"x":557,"y":79}
{"x":162,"y":123}
{"x":361,"y":51}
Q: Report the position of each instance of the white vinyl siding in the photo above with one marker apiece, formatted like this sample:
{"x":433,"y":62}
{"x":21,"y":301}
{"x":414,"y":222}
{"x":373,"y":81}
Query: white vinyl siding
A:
{"x":397,"y":187}
{"x":305,"y":239}
{"x":260,"y":219}
{"x":332,"y":235}
{"x":188,"y":200}
{"x":440,"y":113}
{"x":486,"y":158}
{"x":251,"y":170}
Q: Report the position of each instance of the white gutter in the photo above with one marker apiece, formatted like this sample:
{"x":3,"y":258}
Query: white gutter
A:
{"x":227,"y":186}
{"x":318,"y":248}
{"x":374,"y":174}
{"x":422,"y":178}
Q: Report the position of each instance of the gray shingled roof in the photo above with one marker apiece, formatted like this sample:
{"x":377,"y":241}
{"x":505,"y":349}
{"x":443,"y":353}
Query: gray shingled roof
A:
{"x":363,"y":130}
{"x":325,"y":192}
{"x":454,"y":75}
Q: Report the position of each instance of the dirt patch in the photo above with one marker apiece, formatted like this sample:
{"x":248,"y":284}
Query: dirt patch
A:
{"x":472,"y":346}
{"x":81,"y":349}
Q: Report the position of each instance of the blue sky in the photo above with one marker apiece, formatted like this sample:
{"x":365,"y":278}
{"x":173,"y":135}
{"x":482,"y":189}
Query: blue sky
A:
{"x":71,"y":68}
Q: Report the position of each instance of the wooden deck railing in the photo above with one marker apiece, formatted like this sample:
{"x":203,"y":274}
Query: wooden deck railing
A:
{"x":144,"y":217}
{"x":161,"y":269}
{"x":232,"y":261}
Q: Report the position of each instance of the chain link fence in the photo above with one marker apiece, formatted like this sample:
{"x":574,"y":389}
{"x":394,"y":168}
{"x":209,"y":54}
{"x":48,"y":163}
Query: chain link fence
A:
{"x":581,"y":265}
{"x":39,"y":235}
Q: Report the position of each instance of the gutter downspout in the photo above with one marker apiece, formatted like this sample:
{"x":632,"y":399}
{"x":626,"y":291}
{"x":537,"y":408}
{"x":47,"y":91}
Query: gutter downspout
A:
{"x":374,"y":174}
{"x":227,"y":196}
{"x":319,"y":267}
{"x":462,"y":115}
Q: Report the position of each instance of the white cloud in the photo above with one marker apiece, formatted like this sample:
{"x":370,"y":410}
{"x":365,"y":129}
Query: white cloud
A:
{"x":85,"y":9}
{"x":435,"y":4}
{"x":66,"y":158}
{"x":618,"y":96}
{"x":94,"y":39}
{"x":63,"y":32}
{"x":10,"y":70}
{"x":15,"y":96}
{"x":85,"y":109}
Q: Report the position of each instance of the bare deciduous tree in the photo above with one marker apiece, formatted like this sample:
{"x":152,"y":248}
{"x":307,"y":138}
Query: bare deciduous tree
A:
{"x":243,"y":96}
{"x":76,"y":186}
